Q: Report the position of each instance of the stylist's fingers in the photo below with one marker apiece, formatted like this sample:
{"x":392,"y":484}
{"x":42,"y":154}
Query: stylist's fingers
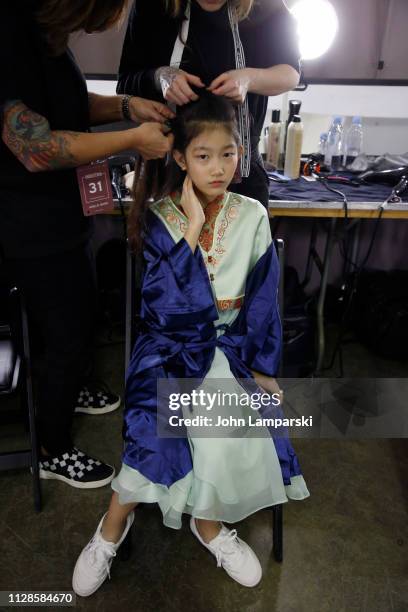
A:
{"x":153,"y":140}
{"x":157,"y":115}
{"x":220,"y":80}
{"x":186,"y":89}
{"x":182,"y":90}
{"x":163,"y":112}
{"x":228,"y":89}
{"x":173,"y":99}
{"x":170,"y":139}
{"x":193,"y":79}
{"x":174,"y":94}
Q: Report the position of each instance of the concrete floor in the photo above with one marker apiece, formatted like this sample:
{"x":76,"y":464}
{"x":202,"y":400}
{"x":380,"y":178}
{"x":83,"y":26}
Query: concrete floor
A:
{"x":345,"y":548}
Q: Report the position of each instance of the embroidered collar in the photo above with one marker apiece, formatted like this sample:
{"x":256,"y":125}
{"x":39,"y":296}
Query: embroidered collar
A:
{"x":211,"y":212}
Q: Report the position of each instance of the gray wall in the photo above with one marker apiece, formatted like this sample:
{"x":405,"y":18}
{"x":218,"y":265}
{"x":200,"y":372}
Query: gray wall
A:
{"x":369,"y":30}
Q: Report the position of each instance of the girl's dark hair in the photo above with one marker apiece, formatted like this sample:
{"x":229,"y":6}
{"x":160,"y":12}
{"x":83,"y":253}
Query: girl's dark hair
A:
{"x":59,"y":18}
{"x":157,"y":178}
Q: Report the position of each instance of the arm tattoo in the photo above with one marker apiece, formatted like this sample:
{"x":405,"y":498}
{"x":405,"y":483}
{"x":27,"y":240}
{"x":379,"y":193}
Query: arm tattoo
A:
{"x":29,"y":136}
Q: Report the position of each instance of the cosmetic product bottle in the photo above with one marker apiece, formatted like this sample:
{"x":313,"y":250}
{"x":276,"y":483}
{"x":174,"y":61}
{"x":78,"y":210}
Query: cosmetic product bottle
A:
{"x":294,"y":148}
{"x":274,"y":140}
{"x":294,"y":109}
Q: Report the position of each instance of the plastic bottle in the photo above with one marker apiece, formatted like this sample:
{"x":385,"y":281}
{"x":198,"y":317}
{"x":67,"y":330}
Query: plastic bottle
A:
{"x":294,"y":148}
{"x":334,"y":152}
{"x":354,"y":141}
{"x":323,"y":143}
{"x":274,"y":139}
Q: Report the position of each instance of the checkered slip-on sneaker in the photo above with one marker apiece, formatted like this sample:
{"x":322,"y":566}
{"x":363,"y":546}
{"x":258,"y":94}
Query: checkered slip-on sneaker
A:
{"x":76,"y":469}
{"x":96,"y":399}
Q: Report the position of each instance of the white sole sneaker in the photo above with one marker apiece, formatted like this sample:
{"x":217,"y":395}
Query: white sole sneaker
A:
{"x":87,"y":576}
{"x":46,"y":475}
{"x":233,"y":554}
{"x":96,"y":411}
{"x":77,"y":469}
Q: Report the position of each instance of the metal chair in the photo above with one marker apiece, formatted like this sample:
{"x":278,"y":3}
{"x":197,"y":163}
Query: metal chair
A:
{"x":133,"y":283}
{"x":15,"y":377}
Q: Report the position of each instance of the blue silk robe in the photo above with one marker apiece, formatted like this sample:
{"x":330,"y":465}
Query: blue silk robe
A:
{"x":179,"y":338}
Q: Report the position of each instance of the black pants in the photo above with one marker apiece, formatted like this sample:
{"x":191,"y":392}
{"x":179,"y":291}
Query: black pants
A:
{"x":60,"y":294}
{"x":256,"y":185}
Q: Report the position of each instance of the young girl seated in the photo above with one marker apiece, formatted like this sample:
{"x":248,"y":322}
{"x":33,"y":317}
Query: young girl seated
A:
{"x":209,"y":310}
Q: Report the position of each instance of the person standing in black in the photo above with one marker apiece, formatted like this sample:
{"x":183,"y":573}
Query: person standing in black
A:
{"x":242,"y":50}
{"x":46,"y":112}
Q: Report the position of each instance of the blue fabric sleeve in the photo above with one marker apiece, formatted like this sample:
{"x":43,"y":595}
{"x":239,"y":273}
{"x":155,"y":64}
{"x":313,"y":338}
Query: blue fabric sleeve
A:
{"x":176,"y":291}
{"x":263,"y":342}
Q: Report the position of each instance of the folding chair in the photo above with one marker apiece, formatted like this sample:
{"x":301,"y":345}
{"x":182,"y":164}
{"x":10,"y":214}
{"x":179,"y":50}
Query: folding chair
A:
{"x":15,"y":376}
{"x":133,"y":283}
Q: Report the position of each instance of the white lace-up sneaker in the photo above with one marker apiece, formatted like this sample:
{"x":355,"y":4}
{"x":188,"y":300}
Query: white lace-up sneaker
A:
{"x":233,"y":554}
{"x":93,"y":564}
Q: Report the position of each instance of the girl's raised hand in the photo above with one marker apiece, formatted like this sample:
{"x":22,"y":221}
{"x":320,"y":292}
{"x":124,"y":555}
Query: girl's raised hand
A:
{"x":191,"y":204}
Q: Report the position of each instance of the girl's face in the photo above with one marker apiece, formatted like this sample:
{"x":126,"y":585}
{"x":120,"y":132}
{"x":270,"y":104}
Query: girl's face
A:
{"x":211,"y":5}
{"x":210,"y":160}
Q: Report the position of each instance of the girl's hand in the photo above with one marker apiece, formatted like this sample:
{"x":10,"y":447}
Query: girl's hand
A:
{"x":148,"y":110}
{"x":191,"y":204}
{"x":233,"y":85}
{"x":175,"y":85}
{"x":268,"y":384}
{"x":152,"y":140}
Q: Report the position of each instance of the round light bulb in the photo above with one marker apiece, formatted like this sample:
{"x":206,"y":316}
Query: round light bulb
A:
{"x":317,"y":26}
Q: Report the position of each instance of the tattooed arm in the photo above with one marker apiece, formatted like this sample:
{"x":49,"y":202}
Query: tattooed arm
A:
{"x":29,"y":137}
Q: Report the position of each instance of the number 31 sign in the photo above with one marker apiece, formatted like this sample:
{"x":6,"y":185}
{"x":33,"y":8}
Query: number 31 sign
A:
{"x":95,"y":188}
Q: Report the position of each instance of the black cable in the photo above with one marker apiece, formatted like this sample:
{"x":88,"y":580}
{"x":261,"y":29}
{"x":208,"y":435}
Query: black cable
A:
{"x":116,"y":184}
{"x":356,"y":277}
{"x":357,"y":272}
{"x":324,"y":182}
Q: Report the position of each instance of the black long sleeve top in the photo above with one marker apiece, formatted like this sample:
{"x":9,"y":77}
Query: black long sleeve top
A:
{"x":268,"y":37}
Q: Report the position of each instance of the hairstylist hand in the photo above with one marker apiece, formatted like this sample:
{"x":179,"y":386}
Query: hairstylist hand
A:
{"x":175,"y":84}
{"x":152,"y":140}
{"x":191,"y":204}
{"x":148,"y":110}
{"x":233,"y":84}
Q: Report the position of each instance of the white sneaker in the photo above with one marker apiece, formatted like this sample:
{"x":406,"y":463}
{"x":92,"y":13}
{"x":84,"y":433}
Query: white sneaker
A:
{"x":233,"y":554}
{"x":93,"y":564}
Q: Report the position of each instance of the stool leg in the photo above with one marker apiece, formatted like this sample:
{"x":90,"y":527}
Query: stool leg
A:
{"x":278,"y":532}
{"x":125,"y":549}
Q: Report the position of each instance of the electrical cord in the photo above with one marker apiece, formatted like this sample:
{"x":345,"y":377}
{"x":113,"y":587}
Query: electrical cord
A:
{"x":323,"y":180}
{"x":116,"y":180}
{"x":356,"y":277}
{"x":357,"y":272}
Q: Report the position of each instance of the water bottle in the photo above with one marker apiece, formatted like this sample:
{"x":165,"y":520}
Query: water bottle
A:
{"x":354,"y":141}
{"x":334,"y":152}
{"x":323,"y":143}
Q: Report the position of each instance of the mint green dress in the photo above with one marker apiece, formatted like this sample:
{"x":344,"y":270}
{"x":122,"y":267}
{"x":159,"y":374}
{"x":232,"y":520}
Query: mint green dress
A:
{"x":231,"y":477}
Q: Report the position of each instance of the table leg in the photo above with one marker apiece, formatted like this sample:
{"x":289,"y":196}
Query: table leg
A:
{"x":322,"y":295}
